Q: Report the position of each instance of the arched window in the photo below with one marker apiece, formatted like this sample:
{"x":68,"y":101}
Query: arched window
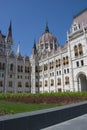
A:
{"x":0,"y":65}
{"x":36,"y":69}
{"x":80,"y":49}
{"x":11,"y":67}
{"x":37,"y":84}
{"x":59,"y":81}
{"x":45,"y":67}
{"x":46,"y":45}
{"x":52,"y":82}
{"x":40,"y":83}
{"x":67,"y":60}
{"x":21,"y":68}
{"x":66,"y":80}
{"x":76,"y":51}
{"x":40,"y":68}
{"x":56,"y":63}
{"x":1,"y":83}
{"x":51,"y":46}
{"x":26,"y":84}
{"x":51,"y":64}
{"x":19,"y":84}
{"x":10,"y":83}
{"x":46,"y":83}
{"x":64,"y":61}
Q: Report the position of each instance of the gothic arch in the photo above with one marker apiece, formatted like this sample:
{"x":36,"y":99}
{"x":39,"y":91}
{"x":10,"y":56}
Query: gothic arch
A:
{"x":82,"y":81}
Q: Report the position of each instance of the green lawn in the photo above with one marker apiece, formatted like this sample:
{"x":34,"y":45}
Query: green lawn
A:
{"x":18,"y":107}
{"x":11,"y":107}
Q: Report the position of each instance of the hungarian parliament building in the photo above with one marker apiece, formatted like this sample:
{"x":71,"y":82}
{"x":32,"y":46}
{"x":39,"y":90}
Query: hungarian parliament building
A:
{"x":51,"y":67}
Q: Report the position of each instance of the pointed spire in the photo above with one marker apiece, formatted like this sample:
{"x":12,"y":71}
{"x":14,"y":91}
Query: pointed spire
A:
{"x":34,"y":48}
{"x":10,"y":30}
{"x":34,"y":45}
{"x":47,"y":28}
{"x":18,"y":49}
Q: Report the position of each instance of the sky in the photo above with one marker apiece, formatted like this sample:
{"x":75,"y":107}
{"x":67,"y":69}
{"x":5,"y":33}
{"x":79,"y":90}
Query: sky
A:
{"x":29,"y":18}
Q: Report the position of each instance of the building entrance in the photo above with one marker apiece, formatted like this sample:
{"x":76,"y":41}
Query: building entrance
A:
{"x":82,"y":82}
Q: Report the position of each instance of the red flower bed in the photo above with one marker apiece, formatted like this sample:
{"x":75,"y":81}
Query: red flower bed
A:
{"x":48,"y":99}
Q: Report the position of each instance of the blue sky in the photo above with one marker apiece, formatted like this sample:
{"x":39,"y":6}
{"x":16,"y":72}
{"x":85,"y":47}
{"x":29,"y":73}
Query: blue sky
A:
{"x":29,"y":18}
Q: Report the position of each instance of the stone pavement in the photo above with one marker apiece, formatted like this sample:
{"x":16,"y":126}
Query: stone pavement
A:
{"x":79,"y":123}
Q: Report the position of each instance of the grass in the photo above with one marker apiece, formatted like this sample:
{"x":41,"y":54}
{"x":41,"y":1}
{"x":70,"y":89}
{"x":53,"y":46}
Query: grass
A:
{"x":19,"y":107}
{"x":12,"y":108}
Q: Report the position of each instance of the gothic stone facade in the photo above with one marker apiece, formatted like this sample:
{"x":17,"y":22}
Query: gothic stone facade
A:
{"x":51,"y":67}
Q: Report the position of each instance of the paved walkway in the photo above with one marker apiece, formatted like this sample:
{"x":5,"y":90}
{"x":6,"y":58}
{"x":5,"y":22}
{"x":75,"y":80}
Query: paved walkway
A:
{"x":79,"y":123}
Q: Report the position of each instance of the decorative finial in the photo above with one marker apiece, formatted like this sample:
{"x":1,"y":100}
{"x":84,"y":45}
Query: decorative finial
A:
{"x":47,"y":28}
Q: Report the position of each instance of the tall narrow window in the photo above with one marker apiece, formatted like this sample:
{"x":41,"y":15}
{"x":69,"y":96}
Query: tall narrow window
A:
{"x":21,"y":68}
{"x":37,"y":84}
{"x":67,"y":60}
{"x":59,"y":81}
{"x":46,"y":83}
{"x":26,"y":84}
{"x":64,"y":61}
{"x":3,"y":66}
{"x":40,"y":83}
{"x":76,"y":51}
{"x":19,"y":84}
{"x":66,"y":80}
{"x":1,"y":84}
{"x":80,"y":49}
{"x":0,"y":65}
{"x":77,"y":63}
{"x":10,"y":83}
{"x":82,"y":62}
{"x":11,"y":67}
{"x":52,"y":82}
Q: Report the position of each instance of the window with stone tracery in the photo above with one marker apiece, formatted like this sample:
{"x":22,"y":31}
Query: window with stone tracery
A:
{"x":46,"y":83}
{"x":75,"y":51}
{"x":2,"y":66}
{"x":52,"y":82}
{"x":36,"y":84}
{"x":45,"y":67}
{"x":11,"y":67}
{"x":66,"y":80}
{"x":64,"y":61}
{"x":51,"y":65}
{"x":26,"y":84}
{"x":10,"y":83}
{"x":80,"y":48}
{"x":1,"y":83}
{"x":59,"y":81}
{"x":19,"y":84}
{"x":40,"y":68}
{"x":40,"y":83}
{"x":58,"y":63}
{"x":67,"y":60}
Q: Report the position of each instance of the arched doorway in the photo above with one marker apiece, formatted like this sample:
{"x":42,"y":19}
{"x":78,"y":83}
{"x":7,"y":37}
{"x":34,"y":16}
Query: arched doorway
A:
{"x":82,"y":82}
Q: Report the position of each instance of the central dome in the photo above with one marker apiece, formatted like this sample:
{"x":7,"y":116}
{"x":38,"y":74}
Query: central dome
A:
{"x":47,"y":37}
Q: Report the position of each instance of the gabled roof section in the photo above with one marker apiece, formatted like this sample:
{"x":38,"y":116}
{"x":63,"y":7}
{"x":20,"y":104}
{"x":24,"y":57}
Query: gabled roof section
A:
{"x":81,"y":18}
{"x":80,"y":13}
